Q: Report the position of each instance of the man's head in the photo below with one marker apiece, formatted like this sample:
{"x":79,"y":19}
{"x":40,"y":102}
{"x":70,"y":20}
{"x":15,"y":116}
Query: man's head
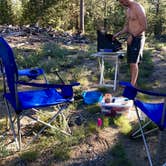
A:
{"x":125,"y":3}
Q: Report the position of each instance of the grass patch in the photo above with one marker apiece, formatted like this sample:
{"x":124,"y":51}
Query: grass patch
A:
{"x":1,"y":86}
{"x":104,"y":89}
{"x":118,"y":157}
{"x":29,"y":61}
{"x":106,"y":121}
{"x":159,"y":46}
{"x":146,"y":69}
{"x":29,"y":156}
{"x":79,"y":134}
{"x":92,"y":127}
{"x":3,"y":124}
{"x":61,"y":152}
{"x":123,"y":123}
{"x":147,"y":128}
{"x":4,"y":152}
{"x":93,"y":109}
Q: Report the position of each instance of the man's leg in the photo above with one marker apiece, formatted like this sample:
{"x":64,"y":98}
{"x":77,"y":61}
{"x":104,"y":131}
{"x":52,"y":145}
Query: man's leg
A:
{"x":134,"y":73}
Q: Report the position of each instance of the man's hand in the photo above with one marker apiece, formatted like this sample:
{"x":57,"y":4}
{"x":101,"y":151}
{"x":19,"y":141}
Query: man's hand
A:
{"x":129,"y":39}
{"x":115,"y":36}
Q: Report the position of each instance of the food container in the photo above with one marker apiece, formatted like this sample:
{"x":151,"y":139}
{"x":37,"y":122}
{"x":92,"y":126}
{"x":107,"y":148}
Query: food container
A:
{"x":118,"y":105}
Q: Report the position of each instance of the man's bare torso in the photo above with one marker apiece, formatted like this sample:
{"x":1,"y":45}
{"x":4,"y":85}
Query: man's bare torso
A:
{"x":133,"y":21}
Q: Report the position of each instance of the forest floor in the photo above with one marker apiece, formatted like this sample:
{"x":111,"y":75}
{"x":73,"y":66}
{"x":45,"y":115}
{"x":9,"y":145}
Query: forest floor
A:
{"x":96,"y":150}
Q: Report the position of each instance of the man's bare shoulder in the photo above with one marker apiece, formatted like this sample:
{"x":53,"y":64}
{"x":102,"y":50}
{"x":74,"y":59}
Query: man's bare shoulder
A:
{"x":138,"y":7}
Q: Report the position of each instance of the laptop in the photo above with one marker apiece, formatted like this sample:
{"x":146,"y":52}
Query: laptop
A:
{"x":106,"y":44}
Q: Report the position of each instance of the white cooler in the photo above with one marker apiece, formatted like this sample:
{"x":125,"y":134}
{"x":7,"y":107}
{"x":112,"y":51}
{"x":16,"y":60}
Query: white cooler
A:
{"x":117,"y":104}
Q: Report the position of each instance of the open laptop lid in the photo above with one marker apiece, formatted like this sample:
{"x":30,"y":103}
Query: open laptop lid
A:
{"x":106,"y":44}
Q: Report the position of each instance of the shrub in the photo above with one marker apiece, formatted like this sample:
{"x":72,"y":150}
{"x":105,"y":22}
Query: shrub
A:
{"x":29,"y":156}
{"x":123,"y":123}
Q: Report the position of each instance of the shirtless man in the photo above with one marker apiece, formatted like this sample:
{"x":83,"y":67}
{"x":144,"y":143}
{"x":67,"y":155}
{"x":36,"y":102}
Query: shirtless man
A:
{"x":135,"y":26}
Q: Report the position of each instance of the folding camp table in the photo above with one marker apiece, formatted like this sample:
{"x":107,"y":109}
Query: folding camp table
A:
{"x":101,"y":56}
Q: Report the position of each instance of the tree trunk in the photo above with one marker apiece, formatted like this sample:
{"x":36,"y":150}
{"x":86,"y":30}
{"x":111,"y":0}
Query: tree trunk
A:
{"x":82,"y":29}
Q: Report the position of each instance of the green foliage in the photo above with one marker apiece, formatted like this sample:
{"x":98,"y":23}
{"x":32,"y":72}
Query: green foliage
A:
{"x":53,"y":50}
{"x":106,"y":121}
{"x":64,"y":15}
{"x":3,"y":150}
{"x":2,"y":123}
{"x":28,"y":61}
{"x":6,"y":14}
{"x":80,"y":73}
{"x":146,"y":68}
{"x":17,"y":11}
{"x":54,"y":55}
{"x":29,"y":156}
{"x":109,"y":71}
{"x":148,"y":127}
{"x":1,"y":86}
{"x":61,"y":152}
{"x":93,"y":109}
{"x":34,"y":9}
{"x":123,"y":123}
{"x":104,"y":90}
{"x":51,"y":57}
{"x":119,"y":157}
{"x":79,"y":134}
{"x":92,"y":127}
{"x":159,"y":46}
{"x":46,"y":141}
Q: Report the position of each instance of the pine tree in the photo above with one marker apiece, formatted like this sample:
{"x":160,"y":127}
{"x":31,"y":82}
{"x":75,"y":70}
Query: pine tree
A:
{"x":6,"y":13}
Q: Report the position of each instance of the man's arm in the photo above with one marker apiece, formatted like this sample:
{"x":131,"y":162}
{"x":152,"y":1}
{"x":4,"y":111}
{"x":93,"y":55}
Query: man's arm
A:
{"x":124,"y":30}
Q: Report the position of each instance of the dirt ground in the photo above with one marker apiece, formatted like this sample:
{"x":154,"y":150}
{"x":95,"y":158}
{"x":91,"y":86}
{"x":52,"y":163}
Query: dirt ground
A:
{"x":96,"y":150}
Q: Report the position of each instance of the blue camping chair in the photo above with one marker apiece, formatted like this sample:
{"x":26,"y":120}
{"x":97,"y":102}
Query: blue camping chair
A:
{"x":21,"y":102}
{"x":31,"y":74}
{"x":156,"y":112}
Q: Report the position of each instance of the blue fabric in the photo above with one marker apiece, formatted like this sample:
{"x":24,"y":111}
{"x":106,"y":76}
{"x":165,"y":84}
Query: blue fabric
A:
{"x":10,"y":66}
{"x":91,"y":97}
{"x":153,"y":111}
{"x":37,"y":98}
{"x":66,"y":90}
{"x":47,"y":95}
{"x":31,"y":73}
{"x":131,"y":90}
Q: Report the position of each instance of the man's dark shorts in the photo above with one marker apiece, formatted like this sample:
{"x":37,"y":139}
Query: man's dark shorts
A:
{"x":135,"y":50}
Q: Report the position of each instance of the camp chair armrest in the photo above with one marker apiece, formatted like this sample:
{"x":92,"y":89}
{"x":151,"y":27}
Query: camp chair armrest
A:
{"x":31,"y":73}
{"x":127,"y":84}
{"x":43,"y":85}
{"x":151,"y":93}
{"x":66,"y":90}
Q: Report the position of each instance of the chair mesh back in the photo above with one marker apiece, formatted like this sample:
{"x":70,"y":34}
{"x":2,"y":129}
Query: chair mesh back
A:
{"x":10,"y":67}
